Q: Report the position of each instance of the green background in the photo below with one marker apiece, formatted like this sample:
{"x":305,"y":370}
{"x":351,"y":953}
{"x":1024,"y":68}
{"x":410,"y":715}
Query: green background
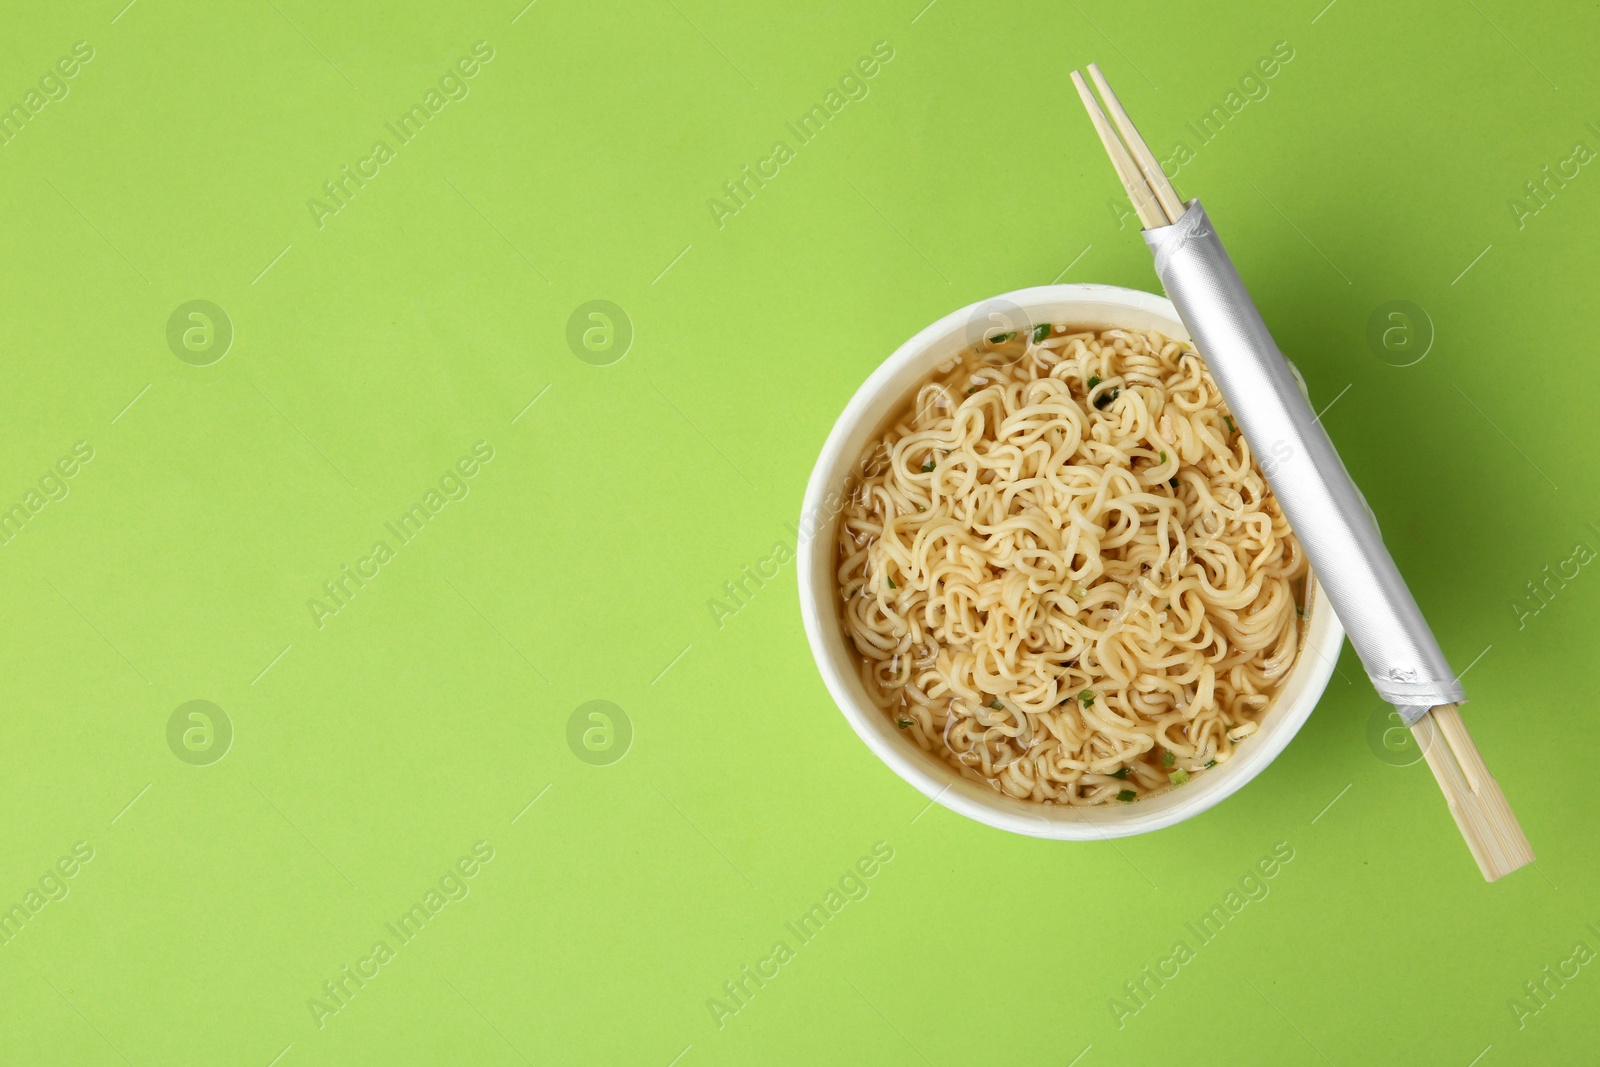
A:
{"x":370,"y":354}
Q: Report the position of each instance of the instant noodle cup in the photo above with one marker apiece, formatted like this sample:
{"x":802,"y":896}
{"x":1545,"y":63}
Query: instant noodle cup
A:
{"x":838,"y":469}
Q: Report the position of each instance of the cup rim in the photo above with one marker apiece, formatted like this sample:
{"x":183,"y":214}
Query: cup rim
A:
{"x":1095,"y":305}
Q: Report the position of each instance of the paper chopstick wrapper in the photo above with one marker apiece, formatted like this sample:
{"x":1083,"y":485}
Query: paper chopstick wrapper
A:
{"x":1322,"y":504}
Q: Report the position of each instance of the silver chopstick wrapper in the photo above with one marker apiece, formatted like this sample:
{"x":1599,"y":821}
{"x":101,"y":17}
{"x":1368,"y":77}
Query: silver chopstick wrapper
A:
{"x":1322,"y":504}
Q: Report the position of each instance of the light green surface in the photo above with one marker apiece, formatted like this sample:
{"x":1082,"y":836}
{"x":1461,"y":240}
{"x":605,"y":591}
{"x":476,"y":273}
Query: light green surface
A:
{"x":370,"y":753}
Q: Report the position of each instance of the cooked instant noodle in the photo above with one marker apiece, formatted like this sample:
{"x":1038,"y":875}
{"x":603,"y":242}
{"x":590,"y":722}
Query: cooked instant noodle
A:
{"x":1063,"y":571}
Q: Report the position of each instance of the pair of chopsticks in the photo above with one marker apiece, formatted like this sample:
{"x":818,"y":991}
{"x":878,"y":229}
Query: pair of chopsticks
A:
{"x":1479,"y":807}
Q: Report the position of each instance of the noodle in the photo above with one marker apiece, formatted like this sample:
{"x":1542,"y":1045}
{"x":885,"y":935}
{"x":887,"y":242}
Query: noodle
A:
{"x":1063,"y":571}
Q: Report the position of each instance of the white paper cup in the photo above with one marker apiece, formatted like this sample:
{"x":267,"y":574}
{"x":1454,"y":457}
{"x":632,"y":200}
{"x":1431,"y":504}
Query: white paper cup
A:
{"x":1086,"y":305}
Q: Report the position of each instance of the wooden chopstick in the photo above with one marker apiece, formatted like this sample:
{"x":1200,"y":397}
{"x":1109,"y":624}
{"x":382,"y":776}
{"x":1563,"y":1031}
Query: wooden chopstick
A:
{"x":1144,"y":201}
{"x":1485,"y":819}
{"x":1481,"y":812}
{"x":1166,"y":195}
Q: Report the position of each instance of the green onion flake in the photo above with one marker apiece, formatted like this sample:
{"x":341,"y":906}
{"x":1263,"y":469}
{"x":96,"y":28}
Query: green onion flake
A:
{"x":996,"y":705}
{"x":1094,"y":380}
{"x":1127,"y":796}
{"x":928,"y":466}
{"x":890,"y":581}
{"x":1002,"y":338}
{"x":904,"y":724}
{"x":1120,"y":772}
{"x":1168,"y":758}
{"x":1229,"y":420}
{"x":1163,"y":457}
{"x":1040,"y":332}
{"x":1213,"y":763}
{"x":1179,"y":776}
{"x":1086,"y":698}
